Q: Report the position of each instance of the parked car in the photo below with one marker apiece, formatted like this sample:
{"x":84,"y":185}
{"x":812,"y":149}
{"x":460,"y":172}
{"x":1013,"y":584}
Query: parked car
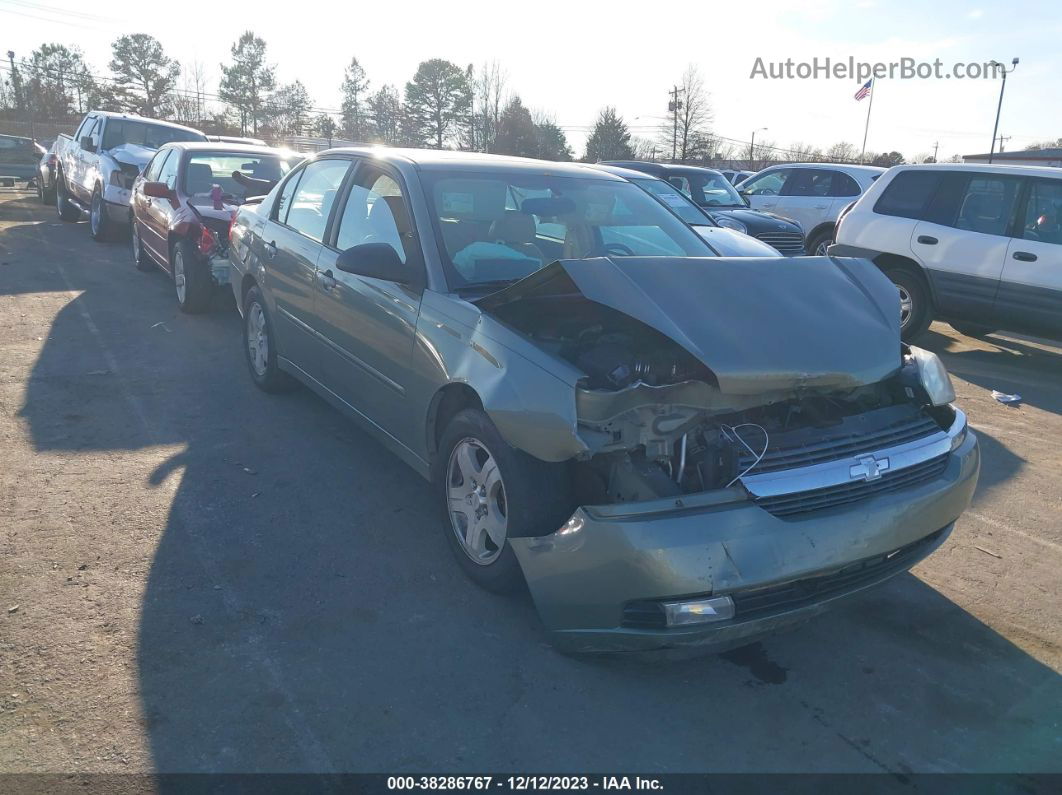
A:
{"x":736,"y":177}
{"x":46,"y":175}
{"x":18,"y":157}
{"x":97,"y":166}
{"x":714,"y":193}
{"x":236,"y":139}
{"x":183,"y":205}
{"x":724,"y":241}
{"x":977,"y":245}
{"x":634,"y":429}
{"x":813,"y":194}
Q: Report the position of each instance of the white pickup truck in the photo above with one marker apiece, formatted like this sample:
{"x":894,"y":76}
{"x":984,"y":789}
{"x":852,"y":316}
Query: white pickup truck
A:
{"x":98,"y":164}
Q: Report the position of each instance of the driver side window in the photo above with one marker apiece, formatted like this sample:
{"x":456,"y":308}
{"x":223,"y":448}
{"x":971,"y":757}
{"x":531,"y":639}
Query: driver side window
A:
{"x":375,"y":212}
{"x":769,"y":184}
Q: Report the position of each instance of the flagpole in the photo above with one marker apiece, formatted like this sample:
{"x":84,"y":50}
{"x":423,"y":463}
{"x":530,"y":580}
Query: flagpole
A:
{"x":866,"y":129}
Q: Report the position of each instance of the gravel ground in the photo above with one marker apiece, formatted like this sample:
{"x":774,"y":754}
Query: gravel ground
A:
{"x":195,"y":576}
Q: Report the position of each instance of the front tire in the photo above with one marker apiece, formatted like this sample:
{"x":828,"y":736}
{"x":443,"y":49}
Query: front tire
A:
{"x":100,"y":225}
{"x":63,"y":206}
{"x":817,"y":245}
{"x":492,"y":492}
{"x":190,"y":279}
{"x":916,"y":310}
{"x":259,"y":346}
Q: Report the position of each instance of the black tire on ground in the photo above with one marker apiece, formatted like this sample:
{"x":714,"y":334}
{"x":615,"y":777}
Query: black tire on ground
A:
{"x":537,"y":497}
{"x":197,"y":284}
{"x":270,"y":378}
{"x":141,"y":259}
{"x":67,"y":211}
{"x":46,"y":195}
{"x":971,"y":329}
{"x":921,"y":312}
{"x":100,"y":225}
{"x":821,"y":239}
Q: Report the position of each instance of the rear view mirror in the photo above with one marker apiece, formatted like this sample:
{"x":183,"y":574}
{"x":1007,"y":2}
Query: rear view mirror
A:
{"x":86,"y":143}
{"x":377,"y":261}
{"x":157,"y":190}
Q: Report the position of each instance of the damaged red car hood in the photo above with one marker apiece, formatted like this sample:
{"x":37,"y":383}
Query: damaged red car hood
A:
{"x":759,"y":325}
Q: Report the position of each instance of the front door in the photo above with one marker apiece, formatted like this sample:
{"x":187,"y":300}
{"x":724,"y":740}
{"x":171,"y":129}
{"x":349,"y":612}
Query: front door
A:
{"x":1030,"y":290}
{"x":290,"y":246}
{"x":155,"y":227}
{"x":762,"y":190}
{"x":807,"y":198}
{"x":368,"y":325}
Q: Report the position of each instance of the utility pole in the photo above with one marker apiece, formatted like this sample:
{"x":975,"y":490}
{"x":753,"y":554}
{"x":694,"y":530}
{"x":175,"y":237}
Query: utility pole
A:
{"x":936,"y":147}
{"x":16,"y":80}
{"x":1001,"y":139}
{"x":752,"y":147}
{"x":673,"y":107}
{"x":999,"y":107}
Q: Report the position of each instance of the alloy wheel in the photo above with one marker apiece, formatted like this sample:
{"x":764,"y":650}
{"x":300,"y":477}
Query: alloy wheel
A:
{"x":257,"y":339}
{"x":178,"y":275}
{"x":906,"y":306}
{"x":94,"y":214}
{"x":820,"y":249}
{"x":476,"y":499}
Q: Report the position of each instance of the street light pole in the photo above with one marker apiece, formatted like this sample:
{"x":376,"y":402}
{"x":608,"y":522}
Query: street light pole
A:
{"x":752,"y":147}
{"x":999,"y":107}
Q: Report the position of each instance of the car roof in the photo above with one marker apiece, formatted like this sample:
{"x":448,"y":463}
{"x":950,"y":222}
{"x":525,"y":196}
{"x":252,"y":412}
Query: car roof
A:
{"x":993,"y":168}
{"x":847,"y":167}
{"x":224,"y":146}
{"x":659,"y":168}
{"x":110,"y":114}
{"x":447,"y":160}
{"x":626,"y":173}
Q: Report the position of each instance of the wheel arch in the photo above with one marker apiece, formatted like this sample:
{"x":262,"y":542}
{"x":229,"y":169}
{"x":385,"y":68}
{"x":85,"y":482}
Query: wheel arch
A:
{"x":896,"y":261}
{"x":825,"y":226}
{"x":445,"y":404}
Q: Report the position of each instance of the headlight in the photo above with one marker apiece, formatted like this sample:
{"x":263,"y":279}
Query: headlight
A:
{"x":933,"y":376}
{"x":730,"y":223}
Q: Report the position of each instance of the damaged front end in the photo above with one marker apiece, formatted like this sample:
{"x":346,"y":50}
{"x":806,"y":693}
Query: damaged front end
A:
{"x":722,"y":401}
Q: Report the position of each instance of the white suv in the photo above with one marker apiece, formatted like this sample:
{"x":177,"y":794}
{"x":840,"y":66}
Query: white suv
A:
{"x":812,"y":194}
{"x":978,"y":246}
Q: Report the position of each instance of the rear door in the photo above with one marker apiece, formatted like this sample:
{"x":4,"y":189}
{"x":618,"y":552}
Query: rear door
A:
{"x":1030,"y":290}
{"x":290,"y":246}
{"x":369,"y":325}
{"x":964,"y":243}
{"x":807,"y":198}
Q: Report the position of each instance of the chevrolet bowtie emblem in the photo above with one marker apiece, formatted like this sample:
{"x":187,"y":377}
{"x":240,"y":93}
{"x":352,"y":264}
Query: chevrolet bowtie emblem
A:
{"x":868,"y":468}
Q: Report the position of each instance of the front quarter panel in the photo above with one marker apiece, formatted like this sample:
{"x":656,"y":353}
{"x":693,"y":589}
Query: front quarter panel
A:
{"x":529,"y":395}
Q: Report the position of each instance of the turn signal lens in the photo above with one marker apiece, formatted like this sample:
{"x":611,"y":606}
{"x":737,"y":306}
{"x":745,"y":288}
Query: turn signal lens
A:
{"x":699,"y":611}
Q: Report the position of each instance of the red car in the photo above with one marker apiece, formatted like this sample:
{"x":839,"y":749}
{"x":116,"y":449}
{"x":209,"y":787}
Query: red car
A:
{"x":182,"y":206}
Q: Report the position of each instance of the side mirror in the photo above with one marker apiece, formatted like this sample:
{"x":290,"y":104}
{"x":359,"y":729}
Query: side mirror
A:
{"x":86,"y":143}
{"x":377,"y":261}
{"x":157,"y":190}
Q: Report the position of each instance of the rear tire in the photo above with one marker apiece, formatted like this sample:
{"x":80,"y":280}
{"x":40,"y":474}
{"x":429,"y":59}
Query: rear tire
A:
{"x":67,"y":211}
{"x":972,"y":329}
{"x":259,"y":346}
{"x":46,"y":195}
{"x":916,"y":305}
{"x":191,"y":279}
{"x":516,"y":495}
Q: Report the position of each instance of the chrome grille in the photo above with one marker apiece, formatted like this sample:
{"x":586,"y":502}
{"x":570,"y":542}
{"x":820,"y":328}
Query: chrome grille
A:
{"x":832,"y":496}
{"x":863,"y":433}
{"x":789,"y":243}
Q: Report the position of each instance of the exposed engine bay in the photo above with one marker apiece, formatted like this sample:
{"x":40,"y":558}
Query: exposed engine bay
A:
{"x":657,"y":424}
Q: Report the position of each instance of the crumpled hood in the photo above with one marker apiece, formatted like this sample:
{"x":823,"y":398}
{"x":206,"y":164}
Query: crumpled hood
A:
{"x":133,"y":154}
{"x":758,"y":324}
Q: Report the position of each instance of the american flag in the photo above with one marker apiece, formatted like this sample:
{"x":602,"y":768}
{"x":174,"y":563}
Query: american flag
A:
{"x":864,"y":92}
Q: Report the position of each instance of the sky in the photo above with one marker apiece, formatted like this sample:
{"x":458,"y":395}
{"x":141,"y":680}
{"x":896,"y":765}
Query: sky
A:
{"x":570,"y":58}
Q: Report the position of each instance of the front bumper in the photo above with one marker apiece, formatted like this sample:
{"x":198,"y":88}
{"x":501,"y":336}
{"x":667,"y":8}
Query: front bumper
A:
{"x":721,"y":542}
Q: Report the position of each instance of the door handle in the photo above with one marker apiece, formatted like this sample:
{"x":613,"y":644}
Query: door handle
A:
{"x":927,"y":240}
{"x":270,"y":248}
{"x":1024,"y":256}
{"x":821,"y":206}
{"x":326,"y":279}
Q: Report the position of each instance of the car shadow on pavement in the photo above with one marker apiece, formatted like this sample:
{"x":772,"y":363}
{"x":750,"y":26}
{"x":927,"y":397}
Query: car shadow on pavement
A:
{"x":303,"y":613}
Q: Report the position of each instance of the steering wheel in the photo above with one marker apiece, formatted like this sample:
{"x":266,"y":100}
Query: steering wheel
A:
{"x":618,"y":248}
{"x":766,"y":192}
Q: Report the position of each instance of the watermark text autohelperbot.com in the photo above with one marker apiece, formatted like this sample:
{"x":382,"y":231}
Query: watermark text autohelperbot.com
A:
{"x":851,"y":69}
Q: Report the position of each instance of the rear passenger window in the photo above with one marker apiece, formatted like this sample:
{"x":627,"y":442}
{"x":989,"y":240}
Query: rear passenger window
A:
{"x":988,"y":204}
{"x":313,"y":198}
{"x":844,"y":185}
{"x":808,"y":182}
{"x":909,"y":194}
{"x":1043,"y":212}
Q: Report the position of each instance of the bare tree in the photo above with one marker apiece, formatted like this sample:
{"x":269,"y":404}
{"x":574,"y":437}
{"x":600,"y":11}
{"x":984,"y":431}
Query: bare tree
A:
{"x":689,"y":116}
{"x":488,"y":99}
{"x":842,"y":152}
{"x":804,"y":153}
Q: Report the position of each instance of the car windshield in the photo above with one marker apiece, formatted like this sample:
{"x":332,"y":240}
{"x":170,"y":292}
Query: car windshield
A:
{"x":678,"y":201}
{"x":707,"y":189}
{"x":124,"y":131}
{"x":258,"y":174}
{"x":497,"y":227}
